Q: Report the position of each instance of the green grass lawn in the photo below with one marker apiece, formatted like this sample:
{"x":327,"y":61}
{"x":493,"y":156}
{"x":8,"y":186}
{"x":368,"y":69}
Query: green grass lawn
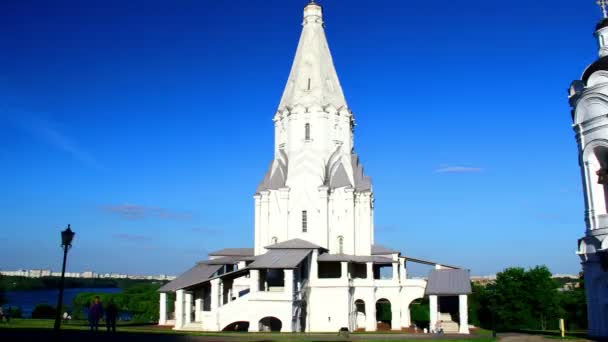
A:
{"x":143,"y":328}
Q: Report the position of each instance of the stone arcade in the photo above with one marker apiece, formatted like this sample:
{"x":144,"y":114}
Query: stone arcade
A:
{"x":314,"y":265}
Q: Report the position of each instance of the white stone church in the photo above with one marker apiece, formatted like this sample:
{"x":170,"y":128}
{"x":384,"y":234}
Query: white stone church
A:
{"x":314,"y":266}
{"x":589,"y":101}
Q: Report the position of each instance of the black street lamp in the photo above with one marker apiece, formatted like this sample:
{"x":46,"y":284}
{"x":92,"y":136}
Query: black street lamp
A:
{"x":66,"y":242}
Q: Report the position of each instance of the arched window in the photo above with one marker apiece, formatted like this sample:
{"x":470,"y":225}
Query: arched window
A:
{"x":274,"y":240}
{"x":340,"y":244}
{"x":307,"y":131}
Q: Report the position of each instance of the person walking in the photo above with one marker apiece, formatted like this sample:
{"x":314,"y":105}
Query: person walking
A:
{"x":95,"y":314}
{"x":111,"y":315}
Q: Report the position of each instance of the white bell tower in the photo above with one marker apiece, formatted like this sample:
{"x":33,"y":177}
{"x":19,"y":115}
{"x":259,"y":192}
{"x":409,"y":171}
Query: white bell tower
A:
{"x":588,"y":98}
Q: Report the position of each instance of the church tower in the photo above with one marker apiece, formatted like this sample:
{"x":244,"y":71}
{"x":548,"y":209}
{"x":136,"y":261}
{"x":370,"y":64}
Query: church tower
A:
{"x":588,"y":98}
{"x":315,"y":189}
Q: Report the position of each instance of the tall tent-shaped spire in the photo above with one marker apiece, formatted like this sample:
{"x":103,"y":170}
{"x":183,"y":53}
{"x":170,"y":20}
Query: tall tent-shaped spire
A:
{"x":313,"y":79}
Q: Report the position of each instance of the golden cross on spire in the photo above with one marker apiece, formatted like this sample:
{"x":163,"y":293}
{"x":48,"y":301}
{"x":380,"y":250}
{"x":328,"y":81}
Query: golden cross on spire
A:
{"x":603,"y":4}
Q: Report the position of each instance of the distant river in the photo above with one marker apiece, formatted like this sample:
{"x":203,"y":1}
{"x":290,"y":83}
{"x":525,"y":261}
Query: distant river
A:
{"x":27,"y":300}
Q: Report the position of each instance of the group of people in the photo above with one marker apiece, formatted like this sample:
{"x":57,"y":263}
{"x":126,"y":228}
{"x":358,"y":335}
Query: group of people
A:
{"x":5,"y":316}
{"x":96,"y":313}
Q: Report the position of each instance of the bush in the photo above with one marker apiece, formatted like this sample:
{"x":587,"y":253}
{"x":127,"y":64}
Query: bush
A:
{"x":140,"y":301}
{"x":44,"y":311}
{"x":15,"y":312}
{"x":419,"y":311}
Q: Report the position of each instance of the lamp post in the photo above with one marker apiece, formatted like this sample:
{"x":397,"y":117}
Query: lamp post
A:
{"x":66,"y":242}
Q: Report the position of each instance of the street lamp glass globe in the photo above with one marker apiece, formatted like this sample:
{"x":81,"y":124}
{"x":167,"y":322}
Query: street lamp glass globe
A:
{"x":67,"y":236}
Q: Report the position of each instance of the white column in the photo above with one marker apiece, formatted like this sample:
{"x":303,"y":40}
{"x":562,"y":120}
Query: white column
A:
{"x":370,"y":272}
{"x":396,"y":315}
{"x":284,"y":212}
{"x":254,"y":282}
{"x":197,"y":309}
{"x":370,"y":313}
{"x":264,"y":227}
{"x":433,"y":312}
{"x":179,"y":309}
{"x":288,"y":283}
{"x":405,"y":314}
{"x":403,"y":273}
{"x":344,"y":270}
{"x":162,"y":318}
{"x":257,"y":232}
{"x":314,"y":266}
{"x":464,"y":314}
{"x":395,"y":271}
{"x":215,"y":287}
{"x":188,"y":311}
{"x":221,"y":293}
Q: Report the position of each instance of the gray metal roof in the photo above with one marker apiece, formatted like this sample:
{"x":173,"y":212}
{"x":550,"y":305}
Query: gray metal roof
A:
{"x":196,"y":275}
{"x":233,"y":252}
{"x":354,"y":258}
{"x":228,"y":260}
{"x":448,"y":282}
{"x":294,"y":244}
{"x":379,"y":249}
{"x":280,"y":258}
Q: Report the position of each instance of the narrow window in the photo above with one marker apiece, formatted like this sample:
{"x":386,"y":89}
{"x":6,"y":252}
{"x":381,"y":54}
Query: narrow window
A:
{"x":307,"y":131}
{"x":340,"y":245}
{"x":309,"y":84}
{"x":304,"y":221}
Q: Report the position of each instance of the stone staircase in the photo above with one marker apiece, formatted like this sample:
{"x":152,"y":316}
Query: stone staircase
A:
{"x":447,"y":324}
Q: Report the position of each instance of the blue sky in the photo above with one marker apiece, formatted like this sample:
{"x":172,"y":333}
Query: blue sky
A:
{"x":147,"y":126}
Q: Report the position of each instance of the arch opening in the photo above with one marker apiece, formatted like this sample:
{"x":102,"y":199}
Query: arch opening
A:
{"x":241,"y":326}
{"x":360,"y":316}
{"x":270,"y":324}
{"x":384,"y":314}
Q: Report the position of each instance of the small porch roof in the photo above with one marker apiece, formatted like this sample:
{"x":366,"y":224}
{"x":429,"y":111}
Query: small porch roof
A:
{"x":228,"y":260}
{"x":354,"y":258}
{"x":197,"y":274}
{"x":280,"y":258}
{"x":234,"y":252}
{"x":446,"y":282}
{"x":381,"y":250}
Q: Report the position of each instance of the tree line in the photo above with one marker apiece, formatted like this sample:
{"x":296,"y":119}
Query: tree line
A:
{"x":527,"y":299}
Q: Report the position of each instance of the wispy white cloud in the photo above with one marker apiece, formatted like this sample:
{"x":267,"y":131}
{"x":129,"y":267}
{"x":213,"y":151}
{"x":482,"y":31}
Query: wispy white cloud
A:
{"x":137,"y":212}
{"x":458,"y":169}
{"x":49,"y":132}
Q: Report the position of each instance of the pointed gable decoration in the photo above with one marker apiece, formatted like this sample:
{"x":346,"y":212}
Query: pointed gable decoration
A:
{"x":294,"y":244}
{"x":313,"y":79}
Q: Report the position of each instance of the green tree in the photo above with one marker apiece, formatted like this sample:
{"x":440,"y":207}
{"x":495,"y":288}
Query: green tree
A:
{"x":574,"y":305}
{"x":510,"y":298}
{"x":140,"y":300}
{"x":542,"y":296}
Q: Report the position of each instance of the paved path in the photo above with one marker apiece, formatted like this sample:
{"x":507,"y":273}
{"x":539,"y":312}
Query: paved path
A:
{"x":516,"y":337}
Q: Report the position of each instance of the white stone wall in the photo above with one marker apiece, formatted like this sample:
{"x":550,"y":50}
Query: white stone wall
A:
{"x":589,"y":102}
